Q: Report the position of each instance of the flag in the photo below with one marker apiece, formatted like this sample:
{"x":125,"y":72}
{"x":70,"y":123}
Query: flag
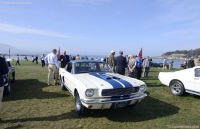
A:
{"x":58,"y":53}
{"x":140,"y":53}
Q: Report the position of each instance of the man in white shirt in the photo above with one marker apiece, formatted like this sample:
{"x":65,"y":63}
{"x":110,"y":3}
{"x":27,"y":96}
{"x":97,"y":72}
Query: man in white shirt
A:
{"x":52,"y":61}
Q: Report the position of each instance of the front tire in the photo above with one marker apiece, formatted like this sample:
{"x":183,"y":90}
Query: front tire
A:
{"x":177,"y":88}
{"x":80,"y":109}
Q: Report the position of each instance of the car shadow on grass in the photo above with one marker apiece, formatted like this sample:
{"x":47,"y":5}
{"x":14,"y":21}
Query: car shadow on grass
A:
{"x":69,"y":115}
{"x":155,"y":85}
{"x":31,"y":89}
{"x":150,"y":108}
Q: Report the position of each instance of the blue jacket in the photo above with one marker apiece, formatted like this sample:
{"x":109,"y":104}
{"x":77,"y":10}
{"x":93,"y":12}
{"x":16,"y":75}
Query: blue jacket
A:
{"x":3,"y":70}
{"x":138,"y":62}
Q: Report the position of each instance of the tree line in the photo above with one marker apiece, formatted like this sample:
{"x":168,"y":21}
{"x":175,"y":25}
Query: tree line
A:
{"x":186,"y":53}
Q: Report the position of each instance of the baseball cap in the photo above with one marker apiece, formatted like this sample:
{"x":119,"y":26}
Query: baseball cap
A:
{"x":112,"y":51}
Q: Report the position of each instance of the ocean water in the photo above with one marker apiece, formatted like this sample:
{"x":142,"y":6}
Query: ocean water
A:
{"x":176,"y":63}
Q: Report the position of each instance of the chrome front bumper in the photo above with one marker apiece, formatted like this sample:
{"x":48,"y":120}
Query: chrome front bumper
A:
{"x":95,"y":101}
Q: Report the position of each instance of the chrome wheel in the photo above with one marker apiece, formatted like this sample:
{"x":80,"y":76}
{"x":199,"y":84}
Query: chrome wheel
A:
{"x":78,"y":104}
{"x":177,"y":88}
{"x":80,"y":109}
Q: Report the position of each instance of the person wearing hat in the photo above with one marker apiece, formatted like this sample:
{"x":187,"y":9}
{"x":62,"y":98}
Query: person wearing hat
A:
{"x":111,"y":60}
{"x":120,"y":63}
{"x":191,"y":62}
{"x":196,"y":61}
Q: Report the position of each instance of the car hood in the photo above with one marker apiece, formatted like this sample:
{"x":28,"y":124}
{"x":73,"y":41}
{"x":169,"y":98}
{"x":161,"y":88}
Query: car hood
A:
{"x":107,"y":80}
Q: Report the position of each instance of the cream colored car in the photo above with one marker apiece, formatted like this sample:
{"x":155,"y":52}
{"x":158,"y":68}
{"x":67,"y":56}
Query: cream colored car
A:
{"x":95,"y":86}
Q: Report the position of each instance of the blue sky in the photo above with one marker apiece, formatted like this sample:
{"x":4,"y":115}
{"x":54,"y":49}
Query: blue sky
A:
{"x":95,"y":27}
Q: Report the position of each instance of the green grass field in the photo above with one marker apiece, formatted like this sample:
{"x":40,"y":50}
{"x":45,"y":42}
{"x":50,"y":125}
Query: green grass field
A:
{"x":33,"y":104}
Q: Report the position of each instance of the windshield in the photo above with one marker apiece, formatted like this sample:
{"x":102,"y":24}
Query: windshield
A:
{"x":86,"y":67}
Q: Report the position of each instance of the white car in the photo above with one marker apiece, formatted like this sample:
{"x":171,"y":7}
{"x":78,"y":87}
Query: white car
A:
{"x":95,"y":86}
{"x":187,"y":80}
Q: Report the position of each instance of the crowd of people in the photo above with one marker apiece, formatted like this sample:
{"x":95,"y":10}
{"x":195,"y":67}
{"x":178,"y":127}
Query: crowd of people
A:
{"x":167,"y":65}
{"x":135,"y":66}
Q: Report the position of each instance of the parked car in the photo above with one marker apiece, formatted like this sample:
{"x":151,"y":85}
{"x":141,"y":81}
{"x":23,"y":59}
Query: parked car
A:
{"x":187,"y":80}
{"x":9,"y":78}
{"x":157,"y":64}
{"x":95,"y":86}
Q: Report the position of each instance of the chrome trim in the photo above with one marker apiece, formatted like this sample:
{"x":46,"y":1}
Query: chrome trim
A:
{"x":93,"y":101}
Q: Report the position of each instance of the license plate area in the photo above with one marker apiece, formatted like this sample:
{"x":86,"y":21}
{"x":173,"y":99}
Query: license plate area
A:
{"x":120,"y":104}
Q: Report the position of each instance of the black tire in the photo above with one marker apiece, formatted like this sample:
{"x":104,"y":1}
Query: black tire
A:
{"x":7,"y":89}
{"x":177,"y":88}
{"x":13,"y":77}
{"x":80,"y":109}
{"x":62,"y":84}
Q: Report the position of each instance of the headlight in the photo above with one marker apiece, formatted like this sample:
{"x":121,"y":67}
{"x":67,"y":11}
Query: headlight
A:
{"x":143,"y":88}
{"x":89,"y":92}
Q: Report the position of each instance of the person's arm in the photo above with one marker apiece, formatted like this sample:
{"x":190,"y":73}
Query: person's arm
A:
{"x":61,"y":58}
{"x":56,"y":61}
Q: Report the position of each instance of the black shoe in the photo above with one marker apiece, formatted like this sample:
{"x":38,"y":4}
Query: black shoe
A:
{"x":49,"y":84}
{"x":57,"y":83}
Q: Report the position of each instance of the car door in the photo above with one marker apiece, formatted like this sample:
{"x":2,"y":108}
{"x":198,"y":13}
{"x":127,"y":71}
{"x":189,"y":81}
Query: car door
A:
{"x":196,"y":88}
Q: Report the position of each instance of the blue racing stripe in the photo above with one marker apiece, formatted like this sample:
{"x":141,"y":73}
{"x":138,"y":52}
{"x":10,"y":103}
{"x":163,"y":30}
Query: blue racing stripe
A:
{"x":107,"y":79}
{"x":126,"y":83}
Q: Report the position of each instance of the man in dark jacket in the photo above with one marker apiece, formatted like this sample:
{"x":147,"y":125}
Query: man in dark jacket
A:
{"x":191,"y":63}
{"x":64,"y":59}
{"x":120,"y":63}
{"x":3,"y":71}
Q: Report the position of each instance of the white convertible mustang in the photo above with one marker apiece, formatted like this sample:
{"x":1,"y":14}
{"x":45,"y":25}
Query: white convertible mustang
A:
{"x":96,"y":86}
{"x":187,"y":80}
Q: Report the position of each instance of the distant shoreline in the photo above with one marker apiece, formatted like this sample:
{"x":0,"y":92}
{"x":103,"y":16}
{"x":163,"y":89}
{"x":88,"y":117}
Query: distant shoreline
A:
{"x":171,"y":58}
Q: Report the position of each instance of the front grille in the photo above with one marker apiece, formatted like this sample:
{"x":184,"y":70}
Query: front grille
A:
{"x":119,"y":91}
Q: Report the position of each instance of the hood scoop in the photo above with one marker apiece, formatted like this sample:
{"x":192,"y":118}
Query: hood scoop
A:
{"x":107,"y":77}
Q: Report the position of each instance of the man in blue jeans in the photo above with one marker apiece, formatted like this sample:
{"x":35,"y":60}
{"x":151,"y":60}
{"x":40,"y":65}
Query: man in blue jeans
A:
{"x":3,"y":71}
